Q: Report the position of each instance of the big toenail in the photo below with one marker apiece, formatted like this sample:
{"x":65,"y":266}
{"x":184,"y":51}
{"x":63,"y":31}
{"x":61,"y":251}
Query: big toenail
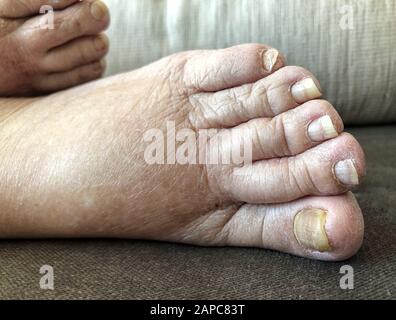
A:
{"x":322,"y":129}
{"x":346,"y":172}
{"x":305,"y":90}
{"x":98,"y":10}
{"x":309,"y":229}
{"x":270,"y":57}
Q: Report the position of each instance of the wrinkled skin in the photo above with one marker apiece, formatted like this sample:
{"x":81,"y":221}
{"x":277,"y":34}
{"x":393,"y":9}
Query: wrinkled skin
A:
{"x":72,"y":163}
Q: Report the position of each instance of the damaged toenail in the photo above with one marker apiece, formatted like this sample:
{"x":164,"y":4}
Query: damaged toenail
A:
{"x":98,"y":10}
{"x":346,"y":172}
{"x":270,"y":57}
{"x":309,"y":229}
{"x":305,"y":90}
{"x":322,"y":129}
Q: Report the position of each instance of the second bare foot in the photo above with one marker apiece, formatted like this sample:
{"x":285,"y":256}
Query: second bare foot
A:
{"x":38,"y":55}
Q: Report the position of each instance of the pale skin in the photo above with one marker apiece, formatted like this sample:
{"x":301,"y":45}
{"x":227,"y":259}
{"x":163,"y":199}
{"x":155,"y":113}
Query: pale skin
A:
{"x":72,"y":163}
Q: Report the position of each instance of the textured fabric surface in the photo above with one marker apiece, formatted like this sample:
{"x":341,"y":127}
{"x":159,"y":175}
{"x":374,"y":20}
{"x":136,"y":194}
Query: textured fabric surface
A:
{"x":356,"y":67}
{"x":136,"y":270}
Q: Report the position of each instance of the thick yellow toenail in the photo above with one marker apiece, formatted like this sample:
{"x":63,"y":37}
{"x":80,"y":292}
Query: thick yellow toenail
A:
{"x":322,"y":129}
{"x":309,"y":229}
{"x":305,"y":90}
{"x":98,"y":10}
{"x":270,"y":57}
{"x":346,"y":172}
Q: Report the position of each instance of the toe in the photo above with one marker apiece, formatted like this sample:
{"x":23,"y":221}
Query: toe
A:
{"x":324,"y":228}
{"x":63,"y":80}
{"x":220,"y":69}
{"x":283,"y":90}
{"x":76,"y":53}
{"x":289,"y":133}
{"x":26,"y":8}
{"x":85,"y":18}
{"x":330,"y":168}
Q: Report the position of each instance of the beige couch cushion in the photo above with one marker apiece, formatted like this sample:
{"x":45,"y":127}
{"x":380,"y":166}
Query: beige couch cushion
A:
{"x":349,"y":44}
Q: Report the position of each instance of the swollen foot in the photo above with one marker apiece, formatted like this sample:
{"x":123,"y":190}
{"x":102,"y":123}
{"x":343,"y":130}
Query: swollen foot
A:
{"x":79,"y":162}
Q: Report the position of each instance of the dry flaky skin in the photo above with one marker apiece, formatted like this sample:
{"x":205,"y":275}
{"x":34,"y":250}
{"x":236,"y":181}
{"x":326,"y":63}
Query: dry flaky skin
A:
{"x":72,"y":164}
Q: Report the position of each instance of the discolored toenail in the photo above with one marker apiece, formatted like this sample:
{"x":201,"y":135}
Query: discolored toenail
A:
{"x":322,"y":129}
{"x":98,"y":10}
{"x":346,"y":172}
{"x":305,"y":90}
{"x":270,"y":57}
{"x":309,"y":229}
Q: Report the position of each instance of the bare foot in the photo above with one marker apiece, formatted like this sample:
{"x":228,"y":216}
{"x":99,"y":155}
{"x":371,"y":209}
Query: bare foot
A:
{"x":37,"y":57}
{"x":74,"y":164}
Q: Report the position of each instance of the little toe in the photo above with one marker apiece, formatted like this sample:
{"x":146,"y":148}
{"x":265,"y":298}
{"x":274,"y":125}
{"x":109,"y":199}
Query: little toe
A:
{"x":62,"y":80}
{"x":215,"y":70}
{"x":330,"y":168}
{"x":76,"y":53}
{"x":27,"y":8}
{"x":323,"y":228}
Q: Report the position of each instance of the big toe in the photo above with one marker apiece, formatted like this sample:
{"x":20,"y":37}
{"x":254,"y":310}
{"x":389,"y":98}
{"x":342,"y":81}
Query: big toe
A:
{"x":324,"y":228}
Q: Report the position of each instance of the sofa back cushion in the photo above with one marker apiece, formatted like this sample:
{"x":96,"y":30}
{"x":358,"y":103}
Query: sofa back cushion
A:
{"x":350,"y":45}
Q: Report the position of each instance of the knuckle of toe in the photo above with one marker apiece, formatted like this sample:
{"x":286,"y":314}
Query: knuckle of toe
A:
{"x":283,"y":137}
{"x":293,"y":178}
{"x":298,"y":71}
{"x":323,"y":105}
{"x":303,"y":178}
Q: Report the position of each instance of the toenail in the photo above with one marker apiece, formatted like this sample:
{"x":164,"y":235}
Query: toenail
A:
{"x":101,"y":43}
{"x":270,"y":57}
{"x":98,"y":10}
{"x":309,"y":229}
{"x":322,"y":129}
{"x":346,"y":172}
{"x":305,"y":90}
